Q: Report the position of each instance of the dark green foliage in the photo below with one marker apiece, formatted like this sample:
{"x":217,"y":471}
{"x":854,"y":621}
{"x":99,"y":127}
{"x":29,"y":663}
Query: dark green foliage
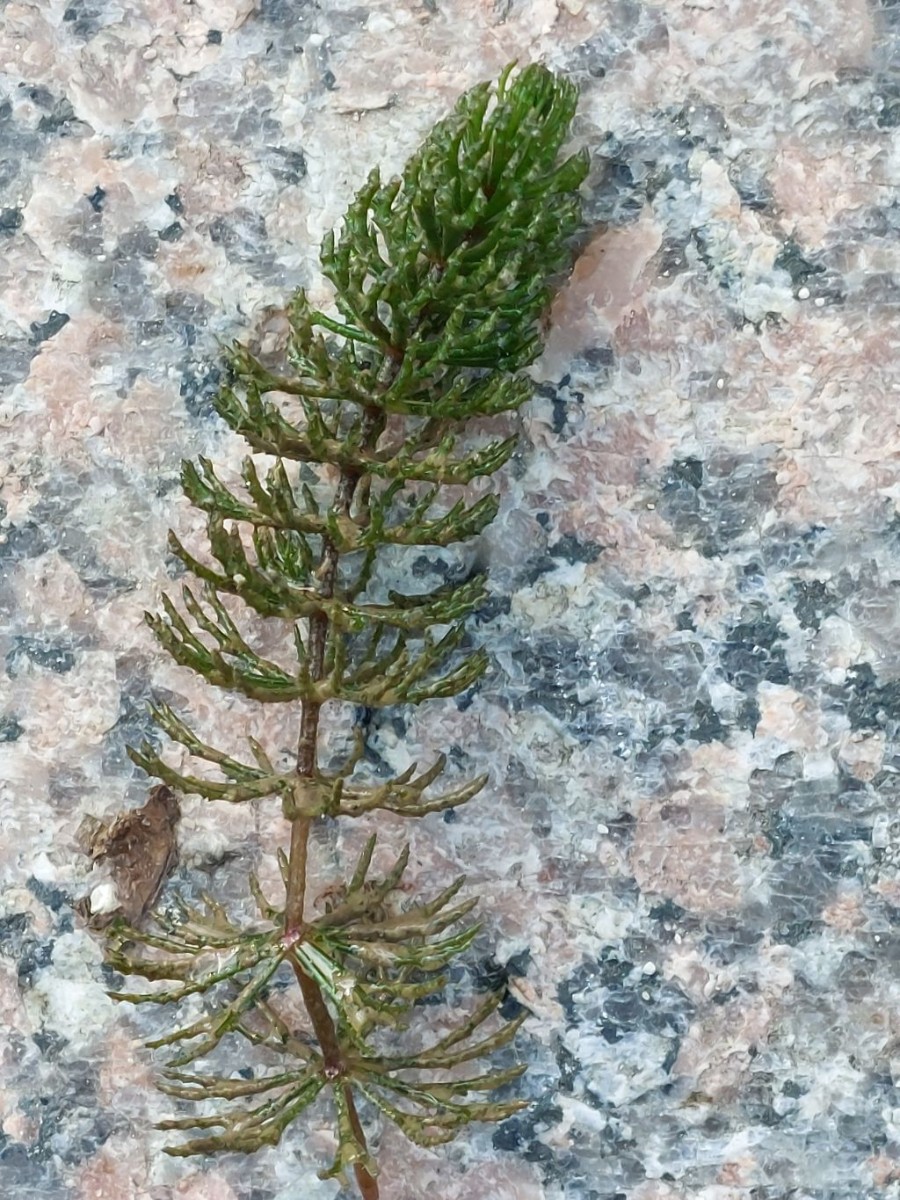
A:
{"x":440,"y":280}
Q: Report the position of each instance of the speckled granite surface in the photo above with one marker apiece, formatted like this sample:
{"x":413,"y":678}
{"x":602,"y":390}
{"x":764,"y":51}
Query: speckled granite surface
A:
{"x":689,"y":850}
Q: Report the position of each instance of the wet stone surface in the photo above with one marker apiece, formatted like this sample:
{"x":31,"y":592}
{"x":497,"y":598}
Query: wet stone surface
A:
{"x":688,"y":849}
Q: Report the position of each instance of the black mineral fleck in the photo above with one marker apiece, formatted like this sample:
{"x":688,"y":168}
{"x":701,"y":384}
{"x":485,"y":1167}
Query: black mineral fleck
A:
{"x":96,"y":198}
{"x":44,"y":330}
{"x":751,"y":652}
{"x":200,"y":383}
{"x":869,"y":704}
{"x":50,"y":654}
{"x":11,"y":219}
{"x":10,"y":729}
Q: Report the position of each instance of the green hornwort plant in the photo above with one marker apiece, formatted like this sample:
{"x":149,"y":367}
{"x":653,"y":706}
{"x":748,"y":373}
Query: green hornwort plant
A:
{"x":441,"y":278}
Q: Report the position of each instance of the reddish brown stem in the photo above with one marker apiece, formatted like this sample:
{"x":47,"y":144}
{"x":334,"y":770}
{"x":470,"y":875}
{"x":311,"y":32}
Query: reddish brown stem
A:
{"x":296,"y":885}
{"x":365,"y":1181}
{"x":367,"y":1184}
{"x":320,"y":1018}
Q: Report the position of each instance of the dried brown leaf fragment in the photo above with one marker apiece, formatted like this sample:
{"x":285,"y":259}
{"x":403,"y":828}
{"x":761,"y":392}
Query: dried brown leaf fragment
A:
{"x":140,"y":851}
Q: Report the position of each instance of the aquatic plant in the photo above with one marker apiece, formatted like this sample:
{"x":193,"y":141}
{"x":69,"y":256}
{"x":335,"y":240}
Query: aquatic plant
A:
{"x":363,"y":441}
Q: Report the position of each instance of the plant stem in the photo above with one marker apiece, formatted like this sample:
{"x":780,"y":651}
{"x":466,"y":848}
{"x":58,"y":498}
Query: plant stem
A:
{"x":296,"y":887}
{"x":320,"y":1018}
{"x":335,"y":1066}
{"x":306,"y":768}
{"x":368,"y":1185}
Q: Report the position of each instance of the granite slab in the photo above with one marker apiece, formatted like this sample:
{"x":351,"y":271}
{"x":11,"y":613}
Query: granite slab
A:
{"x":689,"y":848}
